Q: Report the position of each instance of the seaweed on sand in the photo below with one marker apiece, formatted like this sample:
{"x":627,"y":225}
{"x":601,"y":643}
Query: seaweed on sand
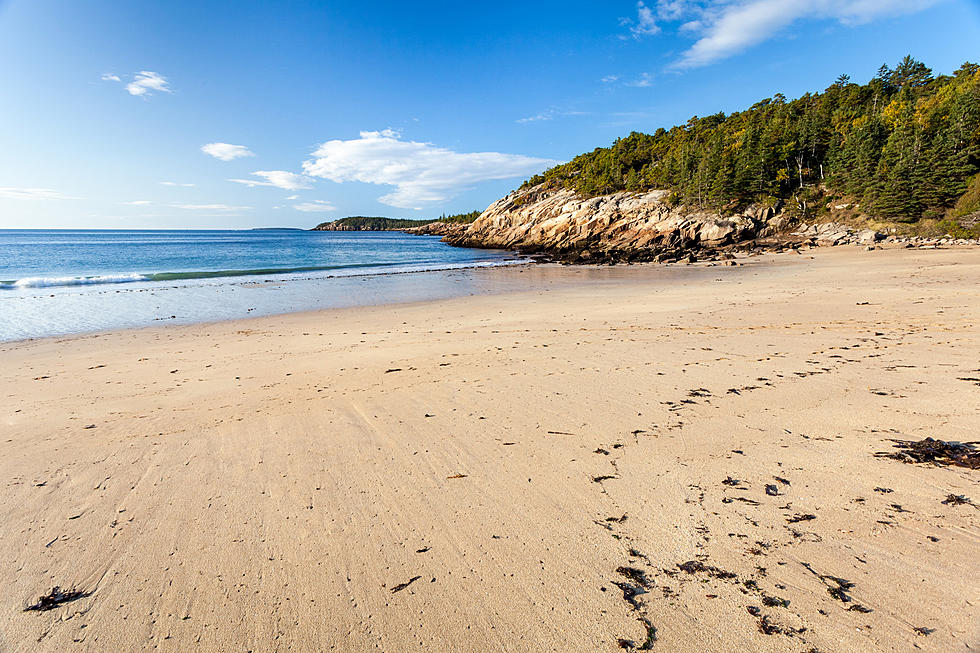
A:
{"x":936,"y":452}
{"x":630,"y":592}
{"x":638,"y":576}
{"x":956,"y":500}
{"x":56,"y":597}
{"x":399,"y":587}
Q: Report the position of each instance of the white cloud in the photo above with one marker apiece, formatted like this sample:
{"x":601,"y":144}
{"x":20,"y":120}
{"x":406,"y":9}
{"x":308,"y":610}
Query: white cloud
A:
{"x":174,"y":183}
{"x":315,"y":206}
{"x":643,"y":81}
{"x":550,"y":114}
{"x":727,"y":27}
{"x":544,"y":115}
{"x":147,"y":81}
{"x":210,"y":207}
{"x":293,"y":197}
{"x":11,"y":193}
{"x":277,"y":179}
{"x":609,"y":79}
{"x":138,"y":203}
{"x":672,"y":9}
{"x":420,"y":172}
{"x":644,"y":25}
{"x":110,"y":77}
{"x":226,"y":151}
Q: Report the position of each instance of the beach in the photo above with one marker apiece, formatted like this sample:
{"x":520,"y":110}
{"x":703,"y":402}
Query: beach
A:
{"x":673,"y":457}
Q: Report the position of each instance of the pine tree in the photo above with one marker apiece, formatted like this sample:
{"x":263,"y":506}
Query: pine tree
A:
{"x":896,"y":196}
{"x":910,"y":72}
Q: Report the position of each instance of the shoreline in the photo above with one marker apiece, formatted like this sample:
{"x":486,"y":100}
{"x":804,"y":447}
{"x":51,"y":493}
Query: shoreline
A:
{"x":494,"y":273}
{"x":317,"y":290}
{"x":584,"y":461}
{"x":559,"y":272}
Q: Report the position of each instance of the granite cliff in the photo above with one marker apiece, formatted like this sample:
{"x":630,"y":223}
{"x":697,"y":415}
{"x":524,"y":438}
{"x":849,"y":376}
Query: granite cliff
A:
{"x":623,"y":226}
{"x":446,"y":229}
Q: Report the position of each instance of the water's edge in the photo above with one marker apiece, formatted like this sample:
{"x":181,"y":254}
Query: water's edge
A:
{"x":89,"y":309}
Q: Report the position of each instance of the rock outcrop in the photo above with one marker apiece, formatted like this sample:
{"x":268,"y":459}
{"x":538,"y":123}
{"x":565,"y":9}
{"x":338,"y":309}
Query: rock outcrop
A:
{"x":625,"y":227}
{"x":438,"y":229}
{"x":831,"y":234}
{"x":619,"y":227}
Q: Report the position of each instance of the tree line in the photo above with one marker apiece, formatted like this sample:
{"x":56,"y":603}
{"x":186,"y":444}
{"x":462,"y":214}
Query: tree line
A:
{"x":370,"y":223}
{"x":906,"y":146}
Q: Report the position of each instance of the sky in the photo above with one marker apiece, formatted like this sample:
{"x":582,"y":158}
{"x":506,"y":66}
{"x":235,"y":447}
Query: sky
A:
{"x":235,"y":114}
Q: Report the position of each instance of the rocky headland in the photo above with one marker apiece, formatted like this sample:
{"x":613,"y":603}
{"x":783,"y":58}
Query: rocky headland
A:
{"x":631,"y":227}
{"x":445,"y":229}
{"x":622,"y":226}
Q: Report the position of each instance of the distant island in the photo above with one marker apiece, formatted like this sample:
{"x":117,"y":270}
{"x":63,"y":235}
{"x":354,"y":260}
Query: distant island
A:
{"x":365,"y":223}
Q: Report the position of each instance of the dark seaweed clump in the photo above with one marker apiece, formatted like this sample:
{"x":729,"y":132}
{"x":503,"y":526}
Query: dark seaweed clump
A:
{"x":937,"y":452}
{"x":56,"y":597}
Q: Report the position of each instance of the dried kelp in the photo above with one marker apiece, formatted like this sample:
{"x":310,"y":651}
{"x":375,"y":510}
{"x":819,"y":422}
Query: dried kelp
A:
{"x":936,"y":452}
{"x":56,"y":597}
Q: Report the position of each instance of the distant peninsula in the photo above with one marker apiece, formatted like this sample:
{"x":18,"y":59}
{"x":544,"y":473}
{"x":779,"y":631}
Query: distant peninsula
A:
{"x":365,"y":223}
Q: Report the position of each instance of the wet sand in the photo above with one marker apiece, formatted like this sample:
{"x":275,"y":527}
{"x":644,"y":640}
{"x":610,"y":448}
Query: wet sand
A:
{"x":609,"y":457}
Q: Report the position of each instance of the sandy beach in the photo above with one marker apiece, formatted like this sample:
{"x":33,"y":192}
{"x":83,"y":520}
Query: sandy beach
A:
{"x":678,"y":458}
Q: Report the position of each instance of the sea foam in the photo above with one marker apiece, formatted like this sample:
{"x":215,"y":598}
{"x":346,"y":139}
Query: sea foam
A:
{"x":50,"y":282}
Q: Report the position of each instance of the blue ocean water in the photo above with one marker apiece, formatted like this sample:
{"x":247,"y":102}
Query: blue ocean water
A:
{"x":58,"y":281}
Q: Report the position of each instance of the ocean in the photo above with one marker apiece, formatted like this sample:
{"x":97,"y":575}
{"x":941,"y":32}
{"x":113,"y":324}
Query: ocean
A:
{"x":56,"y":282}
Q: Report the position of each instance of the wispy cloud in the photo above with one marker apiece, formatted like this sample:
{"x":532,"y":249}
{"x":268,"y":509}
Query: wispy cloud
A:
{"x":421,"y":173}
{"x":174,"y":183}
{"x":277,"y":179}
{"x":609,"y":79}
{"x":723,"y":28}
{"x":12,"y":193}
{"x":315,"y":206}
{"x":643,"y":81}
{"x":145,"y":83}
{"x":137,"y":203}
{"x":226,"y":151}
{"x":110,"y":77}
{"x":550,"y":114}
{"x":673,"y":9}
{"x":644,"y":24}
{"x":210,"y":207}
{"x":544,"y":115}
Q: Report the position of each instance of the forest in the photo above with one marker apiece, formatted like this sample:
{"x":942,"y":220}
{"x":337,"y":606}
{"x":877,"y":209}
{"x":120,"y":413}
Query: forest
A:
{"x":365,"y":223}
{"x":905,"y":146}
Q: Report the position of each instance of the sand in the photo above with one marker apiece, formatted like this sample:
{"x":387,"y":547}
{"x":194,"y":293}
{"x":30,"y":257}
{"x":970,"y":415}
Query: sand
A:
{"x":273,"y":484}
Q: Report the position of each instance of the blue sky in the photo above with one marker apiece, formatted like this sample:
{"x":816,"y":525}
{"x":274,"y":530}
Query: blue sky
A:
{"x":240,"y":114}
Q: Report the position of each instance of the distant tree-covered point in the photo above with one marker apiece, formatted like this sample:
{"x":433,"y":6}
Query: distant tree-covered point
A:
{"x":906,"y":146}
{"x":364,"y":223}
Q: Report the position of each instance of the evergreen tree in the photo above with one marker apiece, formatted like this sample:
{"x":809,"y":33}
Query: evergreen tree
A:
{"x":910,"y":72}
